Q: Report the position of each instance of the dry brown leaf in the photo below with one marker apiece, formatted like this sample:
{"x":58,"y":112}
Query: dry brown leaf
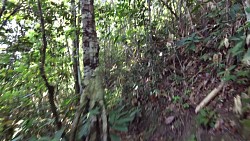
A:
{"x":237,"y":105}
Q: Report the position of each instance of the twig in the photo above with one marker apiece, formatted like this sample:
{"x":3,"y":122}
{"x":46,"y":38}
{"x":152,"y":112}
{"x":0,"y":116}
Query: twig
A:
{"x":3,"y":7}
{"x":170,"y":9}
{"x":11,"y":14}
{"x":209,"y":97}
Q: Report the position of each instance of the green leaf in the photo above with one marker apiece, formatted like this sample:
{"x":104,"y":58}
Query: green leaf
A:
{"x":124,"y":120}
{"x":33,"y":138}
{"x":112,"y":118}
{"x":248,"y":9}
{"x":246,"y":58}
{"x":18,"y":138}
{"x":192,"y":138}
{"x":84,"y":130}
{"x":234,"y":38}
{"x":196,"y":8}
{"x":46,"y":138}
{"x":122,"y":127}
{"x":122,"y":114}
{"x":246,"y":122}
{"x":58,"y":135}
{"x":205,"y":57}
{"x":231,"y":67}
{"x":192,"y":47}
{"x":243,"y":73}
{"x":114,"y":137}
{"x":203,"y":113}
{"x":20,"y":69}
{"x":246,"y":100}
{"x":116,"y":38}
{"x":238,"y":48}
{"x":229,"y":77}
{"x":134,"y":112}
{"x":4,"y":58}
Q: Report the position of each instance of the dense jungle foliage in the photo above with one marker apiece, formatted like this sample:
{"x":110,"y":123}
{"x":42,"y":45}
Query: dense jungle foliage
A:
{"x":168,"y":70}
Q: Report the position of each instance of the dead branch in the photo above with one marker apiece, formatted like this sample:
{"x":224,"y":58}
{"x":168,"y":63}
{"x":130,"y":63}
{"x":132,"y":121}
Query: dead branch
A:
{"x":209,"y":97}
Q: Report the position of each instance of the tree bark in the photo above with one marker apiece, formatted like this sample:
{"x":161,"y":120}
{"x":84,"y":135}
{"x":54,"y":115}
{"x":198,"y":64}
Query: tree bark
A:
{"x":75,"y":53}
{"x":93,"y":92}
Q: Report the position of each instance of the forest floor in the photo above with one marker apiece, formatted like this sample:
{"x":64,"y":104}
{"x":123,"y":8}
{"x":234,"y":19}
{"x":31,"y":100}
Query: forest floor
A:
{"x":162,"y":120}
{"x":171,"y":116}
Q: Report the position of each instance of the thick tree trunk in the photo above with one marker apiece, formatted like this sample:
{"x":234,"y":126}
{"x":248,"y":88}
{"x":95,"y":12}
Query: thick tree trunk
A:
{"x":93,"y":92}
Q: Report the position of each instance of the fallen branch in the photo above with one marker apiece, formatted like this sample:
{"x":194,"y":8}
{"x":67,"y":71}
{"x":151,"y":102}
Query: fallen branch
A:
{"x":209,"y":97}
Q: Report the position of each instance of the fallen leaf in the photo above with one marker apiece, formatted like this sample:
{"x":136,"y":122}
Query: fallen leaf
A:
{"x":169,"y":120}
{"x":218,"y":124}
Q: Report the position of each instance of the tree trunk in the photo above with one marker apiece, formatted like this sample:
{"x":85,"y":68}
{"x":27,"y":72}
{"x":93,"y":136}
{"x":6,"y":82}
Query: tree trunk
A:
{"x":75,"y":53}
{"x":93,"y":92}
{"x":51,"y":88}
